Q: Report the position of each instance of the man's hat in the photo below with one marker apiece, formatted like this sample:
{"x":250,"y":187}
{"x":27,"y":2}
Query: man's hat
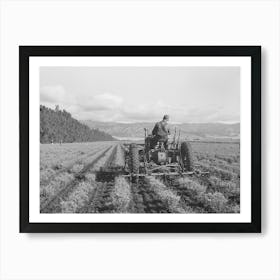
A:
{"x":166,"y":117}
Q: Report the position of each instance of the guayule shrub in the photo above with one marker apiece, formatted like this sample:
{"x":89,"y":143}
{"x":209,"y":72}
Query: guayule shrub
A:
{"x":235,"y":208}
{"x":103,"y":160}
{"x":166,"y":195}
{"x":194,"y":187}
{"x":121,"y":195}
{"x":46,"y":174}
{"x":77,"y":168}
{"x":119,"y":157}
{"x":223,"y":174}
{"x":228,"y":188}
{"x":53,"y":187}
{"x":212,"y":202}
{"x":90,"y":178}
{"x":78,"y":198}
{"x":215,"y":201}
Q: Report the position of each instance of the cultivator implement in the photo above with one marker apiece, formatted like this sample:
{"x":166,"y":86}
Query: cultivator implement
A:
{"x":109,"y":174}
{"x":153,"y":159}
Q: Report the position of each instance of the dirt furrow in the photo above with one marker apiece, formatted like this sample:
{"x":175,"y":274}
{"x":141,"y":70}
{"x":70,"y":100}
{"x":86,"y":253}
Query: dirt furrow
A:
{"x":136,"y":204}
{"x":101,"y":200}
{"x":145,"y":200}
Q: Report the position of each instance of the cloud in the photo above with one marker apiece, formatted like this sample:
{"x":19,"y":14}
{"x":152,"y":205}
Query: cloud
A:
{"x":100,"y":102}
{"x":111,"y":107}
{"x":79,"y":102}
{"x":180,"y":113}
{"x":204,"y":115}
{"x":53,"y":94}
{"x":127,"y":94}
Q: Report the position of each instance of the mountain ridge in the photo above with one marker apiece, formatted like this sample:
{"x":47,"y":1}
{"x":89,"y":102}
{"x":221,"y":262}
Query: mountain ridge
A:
{"x":190,"y":130}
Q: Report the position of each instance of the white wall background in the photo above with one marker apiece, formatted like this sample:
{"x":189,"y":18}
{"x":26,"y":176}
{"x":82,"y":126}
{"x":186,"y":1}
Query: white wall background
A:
{"x":139,"y":256}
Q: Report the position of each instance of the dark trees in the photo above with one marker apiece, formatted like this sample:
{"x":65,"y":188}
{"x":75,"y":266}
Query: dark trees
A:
{"x":59,"y":126}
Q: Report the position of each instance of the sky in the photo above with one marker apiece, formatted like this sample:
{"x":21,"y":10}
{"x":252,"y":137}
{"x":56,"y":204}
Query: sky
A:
{"x":144,"y":94}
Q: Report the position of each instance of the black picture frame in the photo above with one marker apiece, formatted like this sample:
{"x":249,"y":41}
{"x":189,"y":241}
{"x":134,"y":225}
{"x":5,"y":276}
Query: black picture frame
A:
{"x":25,"y":52}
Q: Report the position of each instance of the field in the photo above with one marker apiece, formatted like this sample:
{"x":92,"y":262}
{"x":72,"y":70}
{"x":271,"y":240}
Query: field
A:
{"x":68,"y":181}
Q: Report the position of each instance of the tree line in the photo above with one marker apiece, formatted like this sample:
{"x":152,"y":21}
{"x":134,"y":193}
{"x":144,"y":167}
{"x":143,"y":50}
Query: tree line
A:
{"x":58,"y":126}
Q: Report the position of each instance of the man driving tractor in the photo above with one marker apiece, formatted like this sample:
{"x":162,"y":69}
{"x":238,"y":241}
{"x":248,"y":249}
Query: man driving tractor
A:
{"x":161,"y":131}
{"x":155,"y":157}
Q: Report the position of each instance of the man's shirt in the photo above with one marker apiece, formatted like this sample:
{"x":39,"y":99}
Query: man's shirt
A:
{"x":160,"y":129}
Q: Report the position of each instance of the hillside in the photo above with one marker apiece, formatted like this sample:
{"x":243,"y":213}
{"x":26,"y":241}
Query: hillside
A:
{"x":59,"y":126}
{"x":190,"y":130}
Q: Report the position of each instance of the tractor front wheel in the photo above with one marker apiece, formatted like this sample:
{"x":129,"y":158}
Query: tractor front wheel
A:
{"x":134,"y":159}
{"x":186,"y":156}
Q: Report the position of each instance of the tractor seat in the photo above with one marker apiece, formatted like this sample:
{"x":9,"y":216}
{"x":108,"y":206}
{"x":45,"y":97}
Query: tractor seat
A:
{"x":158,"y":140}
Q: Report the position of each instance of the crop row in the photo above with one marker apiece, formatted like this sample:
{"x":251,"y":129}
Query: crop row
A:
{"x":48,"y":174}
{"x":119,"y":159}
{"x":53,"y":194}
{"x":105,"y":160}
{"x":69,"y":186}
{"x":96,"y":197}
{"x":80,"y":195}
{"x":60,"y":156}
{"x":166,"y":195}
{"x":199,"y":198}
{"x":234,"y":167}
{"x":149,"y":195}
{"x":83,"y":197}
{"x":222,"y":173}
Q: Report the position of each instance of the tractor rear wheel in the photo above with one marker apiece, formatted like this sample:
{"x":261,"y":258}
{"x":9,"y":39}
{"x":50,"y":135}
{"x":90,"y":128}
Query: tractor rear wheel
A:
{"x":187,"y":157}
{"x":134,"y":159}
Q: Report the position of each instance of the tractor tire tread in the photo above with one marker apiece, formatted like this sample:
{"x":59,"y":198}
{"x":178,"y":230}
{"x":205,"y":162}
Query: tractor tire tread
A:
{"x":187,"y":156}
{"x":134,"y":159}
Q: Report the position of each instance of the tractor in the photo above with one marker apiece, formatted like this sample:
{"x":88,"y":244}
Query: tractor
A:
{"x":153,"y":158}
{"x":157,"y":158}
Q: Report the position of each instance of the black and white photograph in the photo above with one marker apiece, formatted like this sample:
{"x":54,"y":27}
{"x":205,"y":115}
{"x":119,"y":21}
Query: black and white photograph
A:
{"x":140,"y":139}
{"x":136,"y":136}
